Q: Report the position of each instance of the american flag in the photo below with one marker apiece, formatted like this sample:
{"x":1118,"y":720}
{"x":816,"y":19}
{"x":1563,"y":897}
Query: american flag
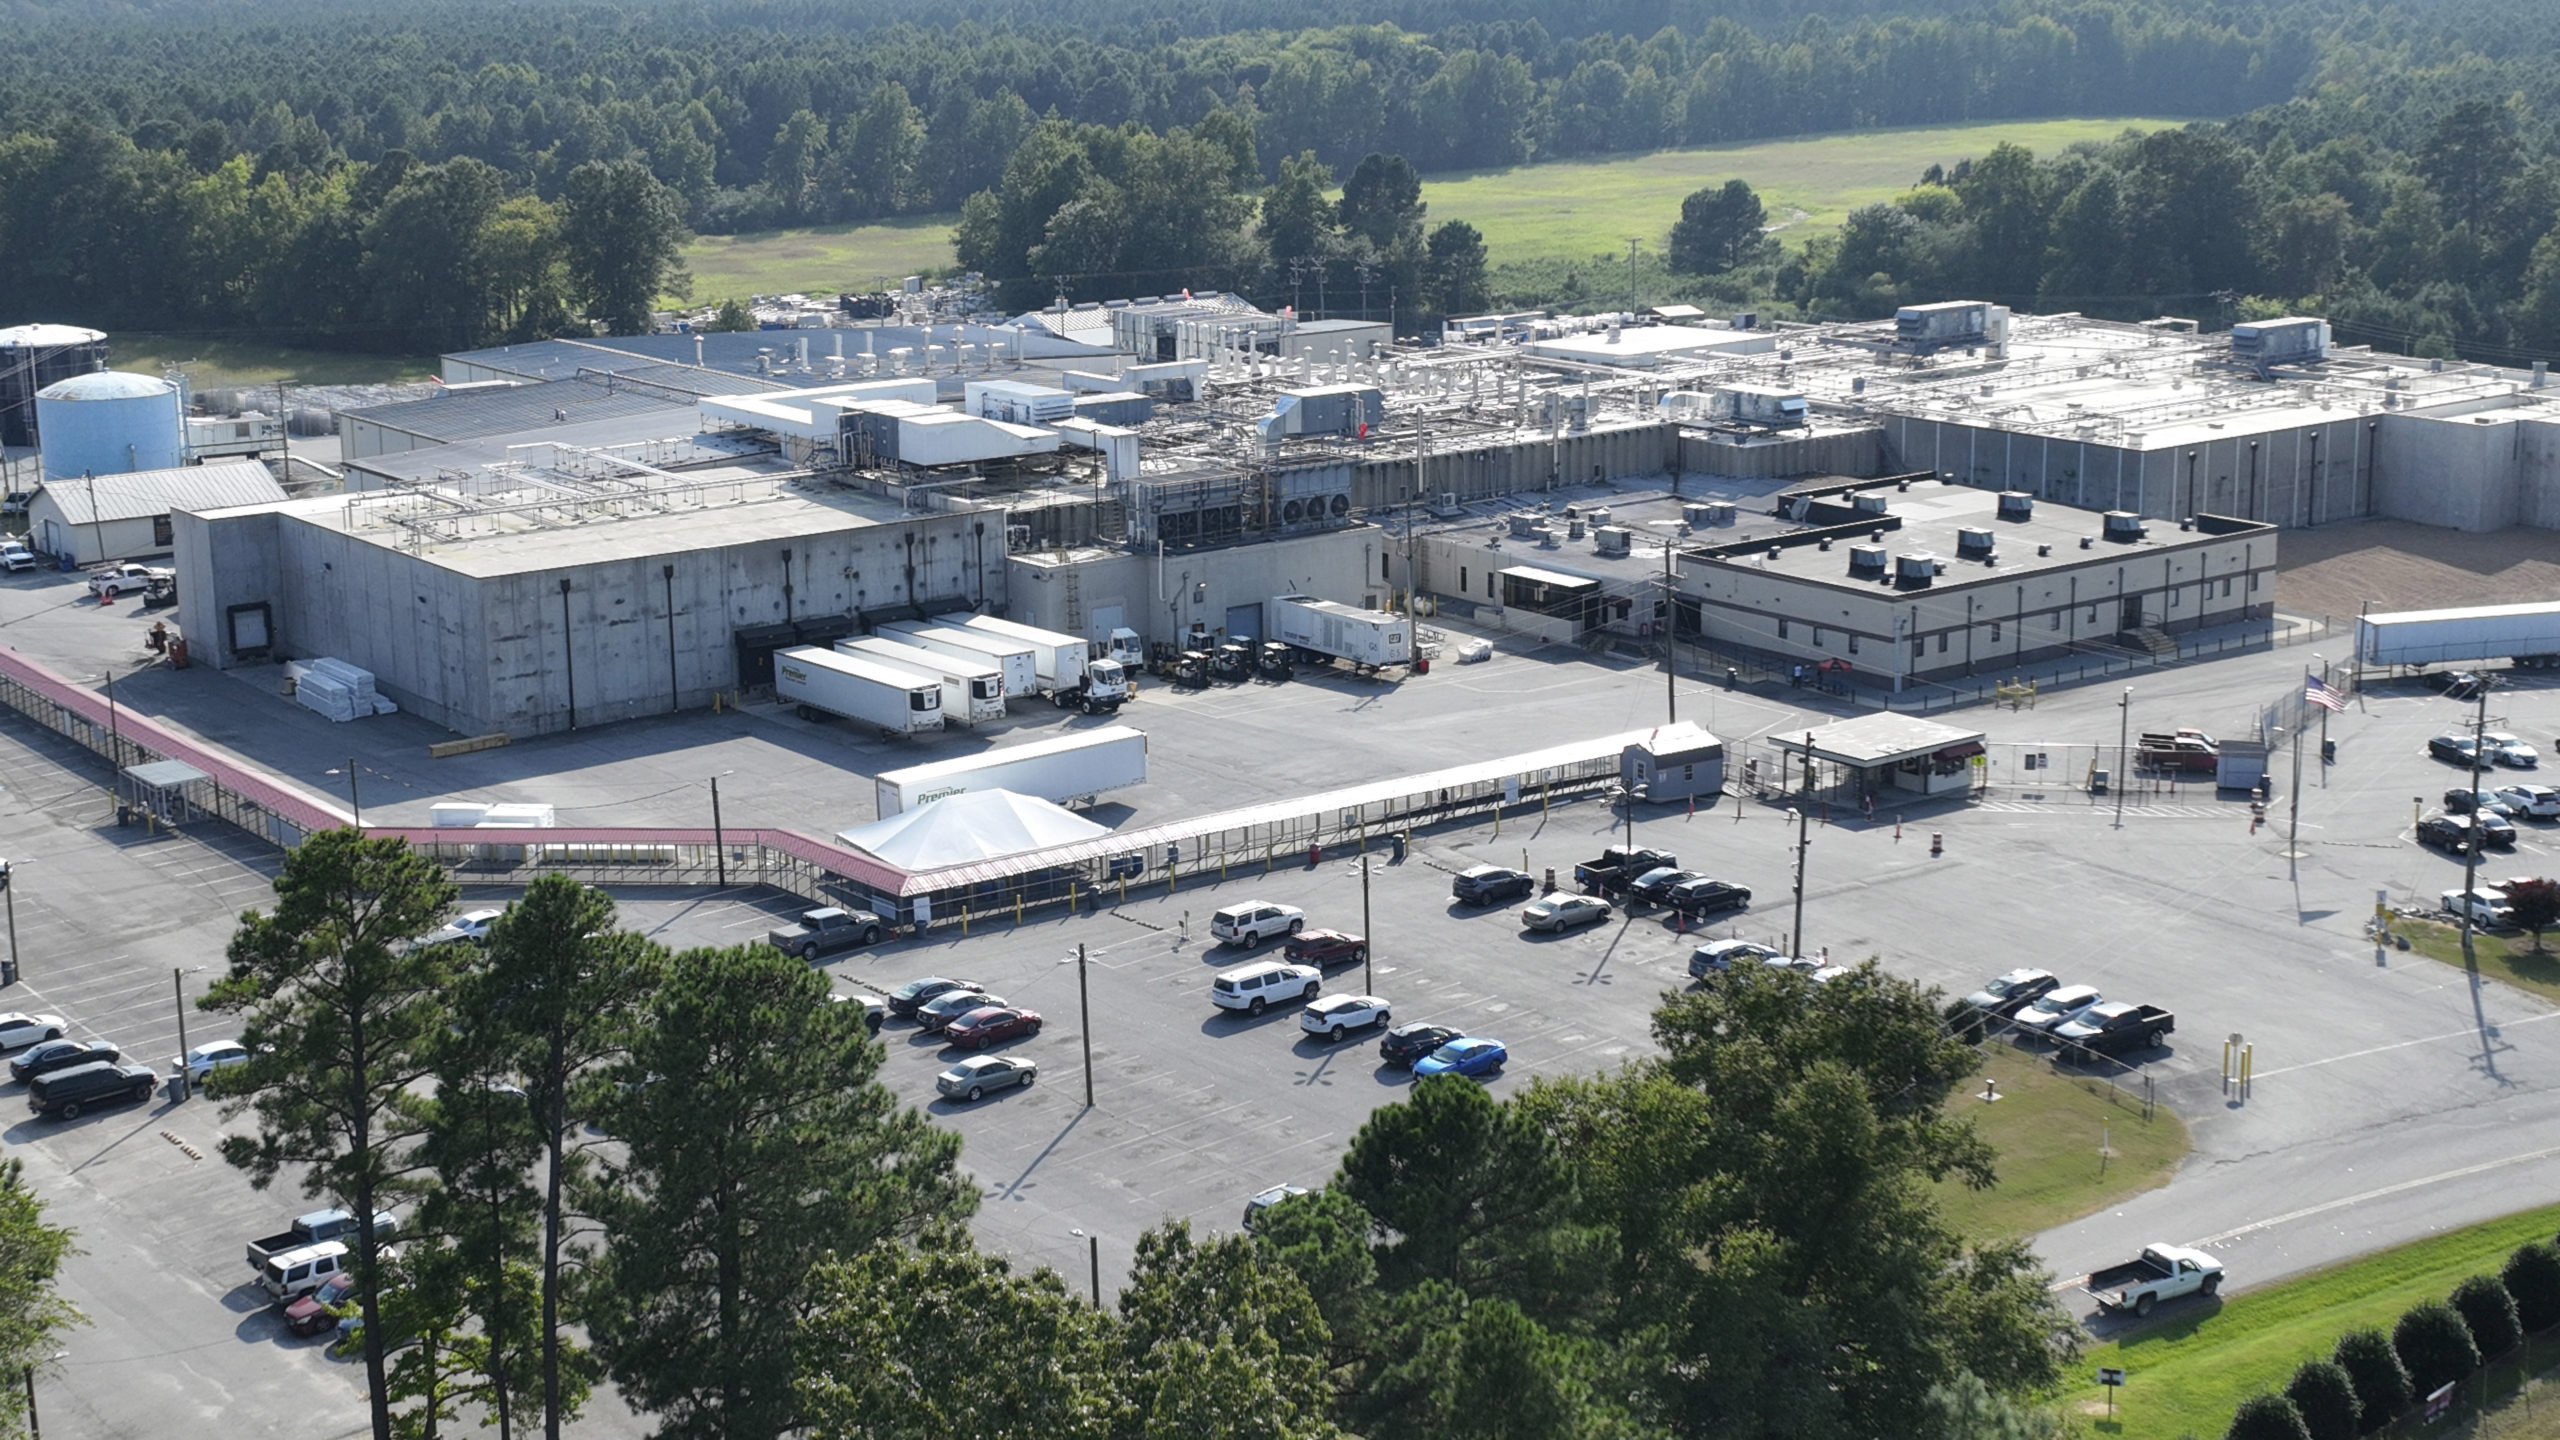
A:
{"x":2322,"y":695}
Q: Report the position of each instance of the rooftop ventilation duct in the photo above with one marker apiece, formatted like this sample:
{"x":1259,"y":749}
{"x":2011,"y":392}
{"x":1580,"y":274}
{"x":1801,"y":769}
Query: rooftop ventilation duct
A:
{"x":1915,"y":569}
{"x":1866,"y":561}
{"x":2017,"y":505}
{"x":1523,"y":524}
{"x":1868,"y":502}
{"x":1973,"y":543}
{"x":1613,"y":540}
{"x":2122,"y":525}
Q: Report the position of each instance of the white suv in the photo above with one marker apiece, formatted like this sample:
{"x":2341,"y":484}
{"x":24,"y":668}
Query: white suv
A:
{"x":2488,"y":907}
{"x":1338,"y":1015}
{"x":15,"y":557}
{"x":2539,"y":801}
{"x":1255,"y":921}
{"x":1257,"y":988}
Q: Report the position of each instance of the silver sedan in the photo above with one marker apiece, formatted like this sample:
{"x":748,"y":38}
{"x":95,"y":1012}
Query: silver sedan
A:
{"x":980,"y":1075}
{"x":1563,"y":912}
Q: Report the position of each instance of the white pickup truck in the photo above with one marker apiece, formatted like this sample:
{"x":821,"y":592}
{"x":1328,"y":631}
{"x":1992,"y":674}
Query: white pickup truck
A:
{"x":116,"y":579}
{"x":2164,"y":1272}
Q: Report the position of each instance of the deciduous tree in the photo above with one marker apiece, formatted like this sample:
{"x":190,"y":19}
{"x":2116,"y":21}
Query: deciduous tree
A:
{"x":1718,"y":229}
{"x":33,"y":1313}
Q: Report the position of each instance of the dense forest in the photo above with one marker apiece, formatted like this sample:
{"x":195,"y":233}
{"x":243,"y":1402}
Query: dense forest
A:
{"x":411,"y":176}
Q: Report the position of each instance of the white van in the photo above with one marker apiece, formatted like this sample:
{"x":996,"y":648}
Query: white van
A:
{"x":1255,"y":921}
{"x":1258,"y":987}
{"x":299,"y":1272}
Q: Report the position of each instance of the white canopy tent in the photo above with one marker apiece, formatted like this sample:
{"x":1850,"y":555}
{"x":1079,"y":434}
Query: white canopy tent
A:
{"x":965,"y":829}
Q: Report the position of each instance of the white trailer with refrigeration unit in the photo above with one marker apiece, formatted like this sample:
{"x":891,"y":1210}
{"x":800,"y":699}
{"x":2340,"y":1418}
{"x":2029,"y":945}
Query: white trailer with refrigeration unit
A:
{"x":1326,"y":630}
{"x":1068,"y":674}
{"x":2527,"y":634}
{"x":1011,"y":657}
{"x":892,"y":697}
{"x":972,"y":689}
{"x":1066,"y":770}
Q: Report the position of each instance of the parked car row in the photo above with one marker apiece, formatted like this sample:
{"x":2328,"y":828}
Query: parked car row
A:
{"x":2037,"y":1003}
{"x":2496,"y":747}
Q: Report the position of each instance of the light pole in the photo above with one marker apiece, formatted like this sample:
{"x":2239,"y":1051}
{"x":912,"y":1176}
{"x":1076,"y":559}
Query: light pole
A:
{"x":2293,"y":802}
{"x":1084,"y":1023}
{"x":1093,"y":1256}
{"x":719,"y":842}
{"x":2324,"y":726}
{"x":2124,"y":728}
{"x":2471,"y":852}
{"x":10,"y":895}
{"x":1368,"y":980}
{"x":355,"y":800}
{"x":1804,"y":842}
{"x":1670,"y":630}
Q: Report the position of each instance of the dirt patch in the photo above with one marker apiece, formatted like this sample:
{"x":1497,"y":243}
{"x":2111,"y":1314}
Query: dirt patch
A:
{"x":2336,"y":569}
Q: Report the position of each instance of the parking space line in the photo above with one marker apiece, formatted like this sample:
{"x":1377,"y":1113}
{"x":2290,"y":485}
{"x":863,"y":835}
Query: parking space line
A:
{"x":2468,"y":1033}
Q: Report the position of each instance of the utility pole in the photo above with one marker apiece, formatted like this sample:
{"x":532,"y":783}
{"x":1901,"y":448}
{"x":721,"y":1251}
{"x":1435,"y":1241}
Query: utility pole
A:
{"x":2124,"y":727}
{"x":1670,"y":644}
{"x":9,"y":894}
{"x":2324,"y":726}
{"x":1368,"y":941}
{"x":178,"y":988}
{"x":284,"y":431}
{"x":2293,"y":803}
{"x":2471,"y":851}
{"x":719,"y":842}
{"x":1804,"y":842}
{"x":355,"y":800}
{"x":1084,"y":1023}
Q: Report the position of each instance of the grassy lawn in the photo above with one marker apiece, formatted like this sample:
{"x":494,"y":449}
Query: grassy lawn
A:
{"x":2505,"y":957}
{"x":829,"y":258}
{"x":212,"y":362}
{"x":2188,"y":1370}
{"x":1578,"y":209}
{"x":2047,"y":1129}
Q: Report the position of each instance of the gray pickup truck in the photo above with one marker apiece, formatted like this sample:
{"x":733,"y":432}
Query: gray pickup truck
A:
{"x":823,"y":932}
{"x":312,"y":1229}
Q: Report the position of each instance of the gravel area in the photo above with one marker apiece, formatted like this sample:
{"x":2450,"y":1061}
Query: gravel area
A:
{"x":2335,"y":569}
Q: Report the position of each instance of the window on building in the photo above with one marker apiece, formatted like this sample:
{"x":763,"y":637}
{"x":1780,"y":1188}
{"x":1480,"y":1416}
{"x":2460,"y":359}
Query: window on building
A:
{"x":2226,"y":585}
{"x":1919,"y":648}
{"x":2093,"y":615}
{"x":1782,"y":629}
{"x":1853,"y":644}
{"x":1488,"y":584}
{"x":2253,"y":579}
{"x":1995,"y":632}
{"x":1942,"y":642}
{"x":1462,"y":579}
{"x":160,"y":531}
{"x":1384,"y":561}
{"x":2056,"y":618}
{"x":2173,"y":598}
{"x":1817,"y":637}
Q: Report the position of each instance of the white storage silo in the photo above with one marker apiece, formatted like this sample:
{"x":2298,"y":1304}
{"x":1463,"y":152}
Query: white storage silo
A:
{"x":109,"y":423}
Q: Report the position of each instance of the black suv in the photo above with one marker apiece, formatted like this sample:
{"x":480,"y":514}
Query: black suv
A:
{"x":1491,"y":885}
{"x":2446,"y":832}
{"x":55,"y":1055}
{"x":1703,"y":895}
{"x":1408,"y":1043}
{"x":86,"y":1087}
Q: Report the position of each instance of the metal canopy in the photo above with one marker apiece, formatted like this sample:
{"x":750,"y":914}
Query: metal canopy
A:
{"x":1553,"y":579}
{"x":1884,"y":738}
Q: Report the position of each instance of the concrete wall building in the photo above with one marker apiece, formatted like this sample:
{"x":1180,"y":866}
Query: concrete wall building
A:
{"x":532,"y":599}
{"x":98,"y":518}
{"x":1092,"y":590}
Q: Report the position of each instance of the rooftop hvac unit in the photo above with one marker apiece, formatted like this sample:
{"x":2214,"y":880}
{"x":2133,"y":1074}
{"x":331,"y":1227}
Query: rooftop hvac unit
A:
{"x":1867,"y":561}
{"x":1694,"y":516}
{"x":1917,"y":569}
{"x":2294,"y":340}
{"x":1972,"y":543}
{"x":1720,"y":512}
{"x":1940,"y":326}
{"x":2123,"y":525}
{"x":1017,"y":538}
{"x":1524,"y":523}
{"x":2017,"y":505}
{"x":1600,"y":515}
{"x":1448,"y":508}
{"x":1573,"y":527}
{"x":1616,"y":540}
{"x":1868,"y":502}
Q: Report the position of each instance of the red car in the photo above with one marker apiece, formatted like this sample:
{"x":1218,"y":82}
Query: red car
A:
{"x":310,"y":1314}
{"x":1327,"y":947}
{"x":988,"y":1024}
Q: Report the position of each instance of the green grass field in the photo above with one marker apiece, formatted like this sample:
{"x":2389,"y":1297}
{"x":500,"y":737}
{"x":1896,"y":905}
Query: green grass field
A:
{"x":212,"y":362}
{"x":2511,"y":958}
{"x":2047,"y":1129}
{"x":829,"y":258}
{"x":1578,"y":209}
{"x":1572,"y":209}
{"x":2189,"y":1368}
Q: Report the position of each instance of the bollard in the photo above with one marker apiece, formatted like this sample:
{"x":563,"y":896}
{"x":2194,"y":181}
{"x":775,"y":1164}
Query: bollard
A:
{"x":1897,"y":826}
{"x":1124,"y":889}
{"x":1017,"y":909}
{"x":964,"y":921}
{"x":1315,"y":855}
{"x":1937,"y":843}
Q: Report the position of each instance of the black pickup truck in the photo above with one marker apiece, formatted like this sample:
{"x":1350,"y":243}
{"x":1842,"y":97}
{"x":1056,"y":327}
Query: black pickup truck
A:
{"x":2115,"y":1026}
{"x":1618,"y":866}
{"x":823,"y":932}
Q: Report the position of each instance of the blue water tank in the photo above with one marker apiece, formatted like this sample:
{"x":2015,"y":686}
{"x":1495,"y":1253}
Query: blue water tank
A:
{"x":109,"y":423}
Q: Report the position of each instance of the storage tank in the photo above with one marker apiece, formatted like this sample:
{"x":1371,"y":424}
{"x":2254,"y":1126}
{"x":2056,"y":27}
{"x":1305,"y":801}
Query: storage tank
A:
{"x":34,"y":356}
{"x":109,"y":423}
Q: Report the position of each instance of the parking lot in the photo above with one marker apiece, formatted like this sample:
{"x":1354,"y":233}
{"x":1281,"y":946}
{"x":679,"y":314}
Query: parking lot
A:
{"x":2393,"y":1095}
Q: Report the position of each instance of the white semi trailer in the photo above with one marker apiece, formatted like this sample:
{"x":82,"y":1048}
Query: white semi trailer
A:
{"x":820,"y":681}
{"x":972,"y":690}
{"x":1012,"y":657}
{"x":1323,"y":631}
{"x":2527,"y":634}
{"x":1069,"y":676}
{"x":1068,"y":769}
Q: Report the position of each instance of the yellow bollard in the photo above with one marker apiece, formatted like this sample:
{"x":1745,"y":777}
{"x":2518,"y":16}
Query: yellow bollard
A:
{"x":1075,"y":896}
{"x":1017,"y":909}
{"x":964,"y":921}
{"x":1124,"y":889}
{"x":1222,"y":866}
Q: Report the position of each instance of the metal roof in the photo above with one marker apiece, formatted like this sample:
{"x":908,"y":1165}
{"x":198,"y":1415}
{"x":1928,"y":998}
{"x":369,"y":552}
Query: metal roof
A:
{"x":141,"y":494}
{"x":1554,"y":579}
{"x":509,"y":409}
{"x":428,"y":463}
{"x":28,"y":337}
{"x":107,"y":385}
{"x":1879,"y":739}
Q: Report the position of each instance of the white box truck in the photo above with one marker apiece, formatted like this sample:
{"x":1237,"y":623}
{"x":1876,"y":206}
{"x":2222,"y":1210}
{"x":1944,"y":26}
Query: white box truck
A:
{"x":1323,"y":631}
{"x":1068,"y":674}
{"x":1066,"y":770}
{"x":822,"y":682}
{"x":1012,"y":657}
{"x":972,"y":689}
{"x":2526,"y":634}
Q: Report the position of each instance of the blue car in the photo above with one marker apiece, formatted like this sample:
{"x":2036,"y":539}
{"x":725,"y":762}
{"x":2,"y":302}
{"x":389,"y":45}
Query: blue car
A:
{"x":1467,"y":1055}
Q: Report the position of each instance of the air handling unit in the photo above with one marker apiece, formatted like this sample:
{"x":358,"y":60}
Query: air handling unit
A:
{"x":1949,"y":325}
{"x":2294,"y":340}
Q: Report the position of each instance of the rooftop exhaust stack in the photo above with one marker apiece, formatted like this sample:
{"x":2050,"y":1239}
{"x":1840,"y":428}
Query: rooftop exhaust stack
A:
{"x":2123,"y":525}
{"x":1867,"y":561}
{"x":1917,"y":569}
{"x":1614,"y":540}
{"x":1973,"y":543}
{"x":1868,"y":502}
{"x":2017,"y":505}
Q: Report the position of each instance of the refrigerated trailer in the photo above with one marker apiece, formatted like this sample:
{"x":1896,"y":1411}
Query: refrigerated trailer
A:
{"x":1066,"y":770}
{"x":972,"y":690}
{"x":1327,"y":630}
{"x":2527,"y":634}
{"x":819,"y":681}
{"x":1067,"y":674}
{"x":1012,"y":657}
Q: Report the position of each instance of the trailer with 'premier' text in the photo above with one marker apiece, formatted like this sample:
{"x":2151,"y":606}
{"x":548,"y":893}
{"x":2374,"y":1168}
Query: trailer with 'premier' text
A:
{"x":892,"y":697}
{"x":2527,"y":634}
{"x":1067,"y":673}
{"x":1070,"y":768}
{"x":972,"y":690}
{"x":1012,"y":657}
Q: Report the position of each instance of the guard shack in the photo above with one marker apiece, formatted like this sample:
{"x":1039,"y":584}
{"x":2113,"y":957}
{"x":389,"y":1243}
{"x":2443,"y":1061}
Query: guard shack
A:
{"x":1675,"y":762}
{"x":170,"y":791}
{"x":1885,"y":752}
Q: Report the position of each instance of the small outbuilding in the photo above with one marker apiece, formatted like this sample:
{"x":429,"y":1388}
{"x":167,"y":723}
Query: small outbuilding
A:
{"x":1889,"y":751}
{"x":97,"y":518}
{"x":1675,"y":762}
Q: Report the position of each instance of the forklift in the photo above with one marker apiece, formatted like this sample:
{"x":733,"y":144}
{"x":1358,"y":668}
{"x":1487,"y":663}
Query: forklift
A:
{"x":1276,"y":661}
{"x":1182,"y":667}
{"x":1233,"y":661}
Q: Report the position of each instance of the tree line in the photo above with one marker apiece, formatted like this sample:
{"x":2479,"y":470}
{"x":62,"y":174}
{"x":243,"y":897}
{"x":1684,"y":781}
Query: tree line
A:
{"x":690,"y":1161}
